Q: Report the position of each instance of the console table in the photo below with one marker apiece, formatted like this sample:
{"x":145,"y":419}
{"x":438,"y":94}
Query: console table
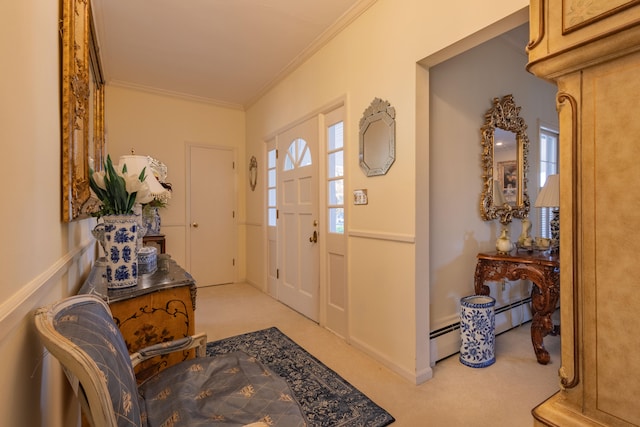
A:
{"x":159,"y":308}
{"x":543,"y":270}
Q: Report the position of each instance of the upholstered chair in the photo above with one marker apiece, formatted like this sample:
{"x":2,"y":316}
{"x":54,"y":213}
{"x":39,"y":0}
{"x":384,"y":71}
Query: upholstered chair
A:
{"x":228,"y":390}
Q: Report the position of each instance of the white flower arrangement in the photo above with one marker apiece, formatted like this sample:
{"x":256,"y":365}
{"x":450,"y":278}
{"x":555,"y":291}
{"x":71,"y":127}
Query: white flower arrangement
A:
{"x":118,"y":191}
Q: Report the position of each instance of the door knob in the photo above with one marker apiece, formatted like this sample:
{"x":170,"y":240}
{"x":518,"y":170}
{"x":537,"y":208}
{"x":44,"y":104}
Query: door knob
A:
{"x":194,"y":225}
{"x":314,"y":238}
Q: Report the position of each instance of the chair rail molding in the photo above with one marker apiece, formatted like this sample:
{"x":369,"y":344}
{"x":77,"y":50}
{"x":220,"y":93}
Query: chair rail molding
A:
{"x":16,"y":307}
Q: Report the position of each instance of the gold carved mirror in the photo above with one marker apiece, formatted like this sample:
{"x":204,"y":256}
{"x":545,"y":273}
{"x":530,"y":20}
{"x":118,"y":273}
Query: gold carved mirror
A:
{"x":505,"y":152}
{"x":82,"y":87}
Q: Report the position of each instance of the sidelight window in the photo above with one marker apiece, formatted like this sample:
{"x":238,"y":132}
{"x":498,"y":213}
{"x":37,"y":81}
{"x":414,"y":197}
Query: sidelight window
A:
{"x":271,"y":188}
{"x":335,"y":177}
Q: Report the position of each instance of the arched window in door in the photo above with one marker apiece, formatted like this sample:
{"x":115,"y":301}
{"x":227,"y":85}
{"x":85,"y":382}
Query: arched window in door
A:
{"x":298,"y":155}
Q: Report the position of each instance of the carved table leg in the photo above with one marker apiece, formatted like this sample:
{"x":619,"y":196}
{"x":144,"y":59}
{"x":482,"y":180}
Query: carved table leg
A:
{"x":480,"y":287}
{"x":545,"y":276}
{"x":543,"y":302}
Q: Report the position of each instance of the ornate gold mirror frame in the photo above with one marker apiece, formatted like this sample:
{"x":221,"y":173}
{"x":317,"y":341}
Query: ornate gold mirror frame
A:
{"x":82,"y":108}
{"x":504,"y":115}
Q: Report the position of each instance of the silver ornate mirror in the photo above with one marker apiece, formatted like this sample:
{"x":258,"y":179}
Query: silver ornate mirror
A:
{"x":377,"y":138}
{"x":505,"y":152}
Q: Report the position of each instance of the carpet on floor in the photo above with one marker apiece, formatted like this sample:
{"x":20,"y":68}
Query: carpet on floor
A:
{"x":325,"y":397}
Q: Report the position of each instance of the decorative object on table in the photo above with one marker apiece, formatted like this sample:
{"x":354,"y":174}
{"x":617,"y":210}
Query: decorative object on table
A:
{"x":147,"y":260}
{"x":540,"y":244}
{"x":253,"y":173}
{"x":504,"y":244}
{"x":118,"y":193}
{"x":121,"y":239}
{"x":525,"y":240}
{"x":477,"y":330}
{"x":543,"y":243}
{"x":549,"y":197}
{"x":151,"y":219}
{"x":326,"y":398}
{"x":160,"y":189}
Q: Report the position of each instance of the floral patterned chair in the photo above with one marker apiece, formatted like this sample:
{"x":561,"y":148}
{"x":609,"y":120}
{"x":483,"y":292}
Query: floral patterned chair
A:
{"x":229,"y":390}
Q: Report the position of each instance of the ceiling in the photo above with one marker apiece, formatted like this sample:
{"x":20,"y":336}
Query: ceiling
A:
{"x":228,"y":52}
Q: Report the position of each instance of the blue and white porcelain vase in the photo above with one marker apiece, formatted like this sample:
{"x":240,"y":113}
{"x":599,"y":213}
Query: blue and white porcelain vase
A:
{"x":477,"y":330}
{"x":121,"y":239}
{"x":151,"y":219}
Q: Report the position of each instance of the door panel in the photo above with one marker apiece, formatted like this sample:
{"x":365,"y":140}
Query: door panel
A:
{"x":298,"y":286}
{"x":212,"y":229}
{"x":336,"y":301}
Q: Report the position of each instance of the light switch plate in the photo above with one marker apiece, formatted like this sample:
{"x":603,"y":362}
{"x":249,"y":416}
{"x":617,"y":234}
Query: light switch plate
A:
{"x":360,"y":197}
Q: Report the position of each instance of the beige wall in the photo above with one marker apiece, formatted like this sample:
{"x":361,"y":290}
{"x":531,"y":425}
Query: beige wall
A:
{"x":162,"y":126}
{"x":461,"y":92}
{"x":376,"y":56}
{"x":47,"y":260}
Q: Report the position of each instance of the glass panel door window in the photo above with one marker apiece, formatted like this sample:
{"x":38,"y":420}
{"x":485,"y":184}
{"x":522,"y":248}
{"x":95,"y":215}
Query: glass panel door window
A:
{"x":271,"y":188}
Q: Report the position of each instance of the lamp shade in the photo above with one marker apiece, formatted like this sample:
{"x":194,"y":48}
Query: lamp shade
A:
{"x":135,"y":164}
{"x":549,"y":196}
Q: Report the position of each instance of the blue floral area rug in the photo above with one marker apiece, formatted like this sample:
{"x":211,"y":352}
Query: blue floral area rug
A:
{"x":326,"y":398}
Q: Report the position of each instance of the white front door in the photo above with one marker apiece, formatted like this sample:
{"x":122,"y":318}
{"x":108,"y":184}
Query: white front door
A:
{"x":211,"y":233}
{"x":298,"y":227}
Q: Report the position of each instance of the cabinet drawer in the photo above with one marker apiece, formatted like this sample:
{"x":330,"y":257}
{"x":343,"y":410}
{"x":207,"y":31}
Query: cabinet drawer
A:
{"x":165,"y":315}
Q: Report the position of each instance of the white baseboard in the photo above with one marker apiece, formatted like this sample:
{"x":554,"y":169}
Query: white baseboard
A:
{"x":416,"y":377}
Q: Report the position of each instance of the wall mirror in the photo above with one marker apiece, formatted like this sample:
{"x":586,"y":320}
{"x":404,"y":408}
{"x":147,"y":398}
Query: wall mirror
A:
{"x":377,"y":138}
{"x":253,"y":173}
{"x":505,"y":152}
{"x":82,"y":86}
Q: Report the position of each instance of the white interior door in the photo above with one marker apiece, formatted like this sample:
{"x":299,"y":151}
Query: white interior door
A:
{"x":298,"y":227}
{"x":211,"y":234}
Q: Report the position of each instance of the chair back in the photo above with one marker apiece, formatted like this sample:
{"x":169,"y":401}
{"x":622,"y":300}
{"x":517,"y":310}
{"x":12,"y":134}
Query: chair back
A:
{"x":80,"y":332}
